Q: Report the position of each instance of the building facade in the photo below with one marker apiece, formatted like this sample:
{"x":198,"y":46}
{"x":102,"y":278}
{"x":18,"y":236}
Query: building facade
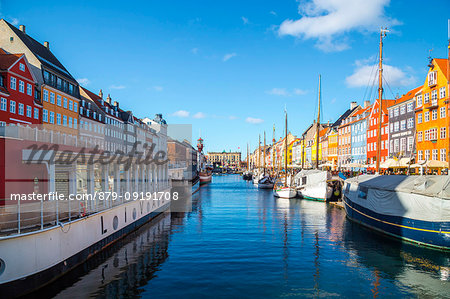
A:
{"x":432,"y":115}
{"x":359,"y":134}
{"x":402,"y":125}
{"x":228,"y":159}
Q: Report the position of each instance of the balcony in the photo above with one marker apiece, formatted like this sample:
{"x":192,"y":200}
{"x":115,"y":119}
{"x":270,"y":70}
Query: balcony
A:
{"x":434,"y":104}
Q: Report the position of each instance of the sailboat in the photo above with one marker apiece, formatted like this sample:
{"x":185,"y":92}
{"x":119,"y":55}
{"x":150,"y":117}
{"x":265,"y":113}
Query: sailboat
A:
{"x":257,"y":175}
{"x":266,"y":181}
{"x":415,"y":209}
{"x":247,"y":175}
{"x":315,"y":184}
{"x":285,"y":190}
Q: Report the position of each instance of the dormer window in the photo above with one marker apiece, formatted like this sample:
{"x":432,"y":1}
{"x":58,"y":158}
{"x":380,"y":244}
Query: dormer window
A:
{"x":432,"y":78}
{"x":22,"y":67}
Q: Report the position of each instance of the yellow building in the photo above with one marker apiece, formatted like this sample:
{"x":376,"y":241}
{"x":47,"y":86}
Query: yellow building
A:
{"x":225,"y":159}
{"x":314,"y":147}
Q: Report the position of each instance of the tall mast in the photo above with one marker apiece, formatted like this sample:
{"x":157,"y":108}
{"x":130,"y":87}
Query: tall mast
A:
{"x":380,"y":95}
{"x":273,"y":148}
{"x":448,"y":93}
{"x":264,"y":154}
{"x":303,"y":150}
{"x":317,"y":130}
{"x":259,"y":152}
{"x":285,"y":151}
{"x":248,"y":162}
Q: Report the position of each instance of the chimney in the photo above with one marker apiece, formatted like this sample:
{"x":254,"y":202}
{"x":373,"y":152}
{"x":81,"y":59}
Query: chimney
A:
{"x":353,"y":105}
{"x":47,"y":45}
{"x":366,"y":104}
{"x":108,"y":99}
{"x":22,"y":28}
{"x":116,"y":104}
{"x":100,"y":94}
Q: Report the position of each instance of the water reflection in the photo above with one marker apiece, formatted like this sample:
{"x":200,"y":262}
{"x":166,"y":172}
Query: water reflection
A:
{"x":242,"y":242}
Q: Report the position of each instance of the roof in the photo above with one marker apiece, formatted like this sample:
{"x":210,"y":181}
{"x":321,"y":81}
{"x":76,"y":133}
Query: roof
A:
{"x":42,"y":53}
{"x":359,"y":112}
{"x":443,"y":65}
{"x":7,"y":60}
{"x":338,"y":122}
{"x":406,"y":97}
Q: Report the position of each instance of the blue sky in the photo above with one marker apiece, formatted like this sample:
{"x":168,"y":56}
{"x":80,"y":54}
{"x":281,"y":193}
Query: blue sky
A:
{"x":230,"y":67}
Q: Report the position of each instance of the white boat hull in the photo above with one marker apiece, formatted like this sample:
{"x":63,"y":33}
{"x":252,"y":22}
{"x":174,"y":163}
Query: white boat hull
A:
{"x":285,"y":192}
{"x":321,"y":192}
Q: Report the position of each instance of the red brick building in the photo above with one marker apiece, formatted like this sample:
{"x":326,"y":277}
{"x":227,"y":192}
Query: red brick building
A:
{"x":18,"y":101}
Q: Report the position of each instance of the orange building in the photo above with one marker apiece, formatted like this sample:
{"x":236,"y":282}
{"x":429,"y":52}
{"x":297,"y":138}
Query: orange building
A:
{"x":333,"y":147}
{"x":432,"y":119}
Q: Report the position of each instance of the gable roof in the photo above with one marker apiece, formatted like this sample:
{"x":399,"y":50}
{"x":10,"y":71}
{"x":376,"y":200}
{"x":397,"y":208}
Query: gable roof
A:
{"x":443,"y":65}
{"x":7,"y":60}
{"x":43,"y":54}
{"x":406,"y":97}
{"x":338,"y":122}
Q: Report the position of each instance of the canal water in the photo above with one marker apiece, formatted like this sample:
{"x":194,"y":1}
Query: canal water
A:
{"x":242,"y":242}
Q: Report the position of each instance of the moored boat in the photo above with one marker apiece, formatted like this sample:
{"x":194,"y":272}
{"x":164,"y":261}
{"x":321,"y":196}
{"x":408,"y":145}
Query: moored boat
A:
{"x":205,"y":176}
{"x":266,"y":182}
{"x":314,"y":184}
{"x":411,"y":208}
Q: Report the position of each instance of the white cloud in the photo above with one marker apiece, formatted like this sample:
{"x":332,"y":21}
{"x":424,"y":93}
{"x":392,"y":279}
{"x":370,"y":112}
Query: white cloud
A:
{"x":117,"y":86}
{"x":285,"y":93}
{"x":365,"y":74}
{"x":328,"y":21}
{"x":254,"y":121}
{"x":299,"y":91}
{"x":227,"y":57}
{"x":278,"y":92}
{"x":194,"y":50}
{"x":15,"y":21}
{"x":245,"y":20}
{"x":158,"y":88}
{"x":83,"y":81}
{"x":181,"y":113}
{"x":199,"y":115}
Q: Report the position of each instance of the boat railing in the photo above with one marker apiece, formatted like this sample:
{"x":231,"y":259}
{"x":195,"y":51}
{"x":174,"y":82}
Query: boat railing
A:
{"x":19,"y":217}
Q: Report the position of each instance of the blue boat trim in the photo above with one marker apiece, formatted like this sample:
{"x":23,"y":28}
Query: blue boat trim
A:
{"x":425,"y":233}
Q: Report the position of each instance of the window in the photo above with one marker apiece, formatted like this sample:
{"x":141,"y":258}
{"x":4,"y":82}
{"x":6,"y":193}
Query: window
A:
{"x":427,"y":135}
{"x":433,"y":134}
{"x":392,"y":127}
{"x":420,"y":155}
{"x":410,"y":107}
{"x":58,"y":119}
{"x":45,"y":115}
{"x":427,"y":155}
{"x":75,"y":123}
{"x":419,"y":100}
{"x":64,"y":120}
{"x":29,"y":89}
{"x":403,"y":144}
{"x":3,"y":104}
{"x":443,"y":154}
{"x":434,"y":96}
{"x":70,"y":105}
{"x":70,"y":122}
{"x":12,"y":106}
{"x":434,"y":154}
{"x":427,"y":116}
{"x":396,"y":126}
{"x":443,"y":132}
{"x":13,"y":83}
{"x":58,"y":100}
{"x":21,"y":86}
{"x":396,"y":146}
{"x":29,"y":111}
{"x":396,"y":112}
{"x":391,"y":113}
{"x":419,"y":118}
{"x":432,"y":78}
{"x":36,"y":113}
{"x":52,"y":98}
{"x":391,"y":146}
{"x":410,"y":144}
{"x":65,"y":103}
{"x":75,"y":107}
{"x":402,"y":109}
{"x":45,"y":95}
{"x":22,"y":67}
{"x":410,"y":123}
{"x":434,"y":114}
{"x":52,"y":117}
{"x":442,"y":92}
{"x":403,"y":125}
{"x":426,"y":98}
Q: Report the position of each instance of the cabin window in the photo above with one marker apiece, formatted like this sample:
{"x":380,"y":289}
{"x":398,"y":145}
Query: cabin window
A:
{"x":363,"y":192}
{"x":304,"y":180}
{"x":347,"y":188}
